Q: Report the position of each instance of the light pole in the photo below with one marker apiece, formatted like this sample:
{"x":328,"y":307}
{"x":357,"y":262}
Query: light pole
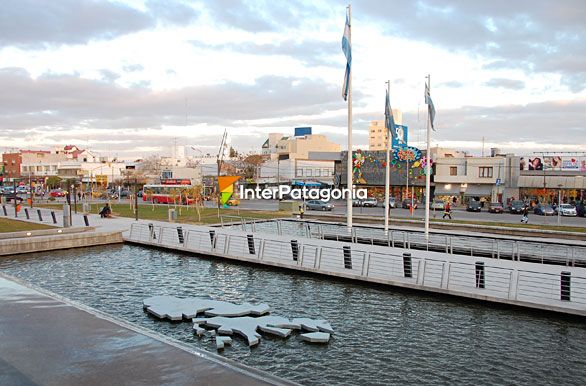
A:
{"x":559,"y":204}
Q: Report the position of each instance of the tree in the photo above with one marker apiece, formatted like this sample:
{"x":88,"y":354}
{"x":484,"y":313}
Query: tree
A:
{"x":53,"y":182}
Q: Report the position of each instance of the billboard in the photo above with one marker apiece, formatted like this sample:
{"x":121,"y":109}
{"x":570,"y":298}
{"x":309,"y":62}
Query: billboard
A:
{"x":554,"y":163}
{"x":400,"y":136}
{"x":301,"y":131}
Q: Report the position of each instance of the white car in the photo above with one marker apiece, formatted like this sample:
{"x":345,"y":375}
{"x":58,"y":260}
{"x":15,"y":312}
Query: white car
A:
{"x":438,"y":205}
{"x":567,"y":210}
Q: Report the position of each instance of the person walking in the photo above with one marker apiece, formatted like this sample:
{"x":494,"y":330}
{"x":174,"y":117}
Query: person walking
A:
{"x":525,"y":218}
{"x":447,"y":210}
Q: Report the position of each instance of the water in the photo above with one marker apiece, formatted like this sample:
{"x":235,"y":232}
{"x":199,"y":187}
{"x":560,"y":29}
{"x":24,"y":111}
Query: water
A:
{"x":383,"y":336}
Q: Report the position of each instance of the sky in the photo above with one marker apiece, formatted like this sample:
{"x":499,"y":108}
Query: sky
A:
{"x":130,"y":78}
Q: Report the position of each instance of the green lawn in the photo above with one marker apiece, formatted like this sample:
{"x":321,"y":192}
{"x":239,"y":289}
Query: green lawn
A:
{"x":8,"y":225}
{"x":184,"y":214}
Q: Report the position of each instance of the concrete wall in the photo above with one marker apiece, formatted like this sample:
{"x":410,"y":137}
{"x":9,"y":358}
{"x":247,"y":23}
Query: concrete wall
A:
{"x":62,"y":241}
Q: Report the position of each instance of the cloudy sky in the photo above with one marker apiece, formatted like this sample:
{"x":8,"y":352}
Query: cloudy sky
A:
{"x":131,"y":77}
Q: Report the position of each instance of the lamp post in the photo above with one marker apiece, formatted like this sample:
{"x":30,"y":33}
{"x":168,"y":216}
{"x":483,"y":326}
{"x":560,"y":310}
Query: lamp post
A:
{"x":136,"y":198}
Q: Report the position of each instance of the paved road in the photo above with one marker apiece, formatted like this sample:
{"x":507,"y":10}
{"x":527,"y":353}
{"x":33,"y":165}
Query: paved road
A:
{"x":457,"y":214}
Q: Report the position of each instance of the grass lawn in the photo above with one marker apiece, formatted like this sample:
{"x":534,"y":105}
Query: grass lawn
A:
{"x":184,"y":214}
{"x":7,"y":225}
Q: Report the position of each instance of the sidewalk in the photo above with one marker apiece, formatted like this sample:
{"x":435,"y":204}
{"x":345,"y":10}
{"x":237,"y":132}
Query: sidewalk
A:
{"x":46,"y":341}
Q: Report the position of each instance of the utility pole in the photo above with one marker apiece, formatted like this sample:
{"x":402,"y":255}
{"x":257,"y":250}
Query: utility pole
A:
{"x":15,"y":200}
{"x":136,"y":198}
{"x":220,"y":159}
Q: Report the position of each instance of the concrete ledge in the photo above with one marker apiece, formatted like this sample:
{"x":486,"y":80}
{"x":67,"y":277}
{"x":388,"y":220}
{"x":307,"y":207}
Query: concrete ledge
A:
{"x":62,"y":241}
{"x":45,"y":232}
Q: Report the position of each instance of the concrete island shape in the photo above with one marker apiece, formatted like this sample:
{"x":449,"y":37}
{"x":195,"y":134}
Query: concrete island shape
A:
{"x":229,"y":318}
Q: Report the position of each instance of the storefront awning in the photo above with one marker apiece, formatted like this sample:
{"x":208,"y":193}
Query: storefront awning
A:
{"x":447,"y":189}
{"x":478,"y":190}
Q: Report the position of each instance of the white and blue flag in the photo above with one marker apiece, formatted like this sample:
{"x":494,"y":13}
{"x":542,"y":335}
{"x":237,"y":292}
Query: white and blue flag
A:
{"x":389,"y":119}
{"x":347,"y":49}
{"x":430,"y":106}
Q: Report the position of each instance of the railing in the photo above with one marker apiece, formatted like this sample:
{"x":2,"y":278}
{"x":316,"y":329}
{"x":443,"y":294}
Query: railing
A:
{"x":41,"y":215}
{"x":497,"y":248}
{"x":558,"y":286}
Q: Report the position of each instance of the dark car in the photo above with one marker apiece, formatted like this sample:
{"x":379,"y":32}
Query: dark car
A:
{"x":407,"y":204}
{"x":517,"y":207}
{"x":495,"y":207}
{"x":318,"y":205}
{"x":474,"y":206}
{"x":544,"y":210}
{"x":12,"y":196}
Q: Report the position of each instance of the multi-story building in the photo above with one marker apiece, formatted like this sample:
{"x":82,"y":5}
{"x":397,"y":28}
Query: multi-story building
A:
{"x":377,"y":134}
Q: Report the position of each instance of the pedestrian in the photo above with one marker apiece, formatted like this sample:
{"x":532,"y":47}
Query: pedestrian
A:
{"x":106,"y":211}
{"x":301,"y":212}
{"x":525,"y":218}
{"x":447,"y":210}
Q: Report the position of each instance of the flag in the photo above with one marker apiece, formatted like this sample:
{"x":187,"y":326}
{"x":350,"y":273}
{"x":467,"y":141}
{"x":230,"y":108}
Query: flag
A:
{"x":347,"y":49}
{"x":389,"y":120}
{"x":430,"y":107}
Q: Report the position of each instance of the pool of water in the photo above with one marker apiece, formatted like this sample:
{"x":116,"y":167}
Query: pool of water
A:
{"x":382,"y":335}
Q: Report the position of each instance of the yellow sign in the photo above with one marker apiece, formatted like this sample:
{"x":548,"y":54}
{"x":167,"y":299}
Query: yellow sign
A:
{"x":102,"y":179}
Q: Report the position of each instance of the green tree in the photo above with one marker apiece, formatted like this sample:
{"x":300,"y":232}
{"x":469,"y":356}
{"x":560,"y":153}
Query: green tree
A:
{"x":53,"y":182}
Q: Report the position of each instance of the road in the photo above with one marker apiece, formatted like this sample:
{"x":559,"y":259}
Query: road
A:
{"x":457,"y":213}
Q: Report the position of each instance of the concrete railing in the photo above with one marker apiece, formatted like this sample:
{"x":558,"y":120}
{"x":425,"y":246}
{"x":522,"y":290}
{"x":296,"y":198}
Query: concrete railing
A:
{"x":551,"y":287}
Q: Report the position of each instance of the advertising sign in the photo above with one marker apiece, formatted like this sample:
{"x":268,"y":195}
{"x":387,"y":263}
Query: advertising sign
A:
{"x":400,"y":136}
{"x":553,"y":163}
{"x":407,"y":153}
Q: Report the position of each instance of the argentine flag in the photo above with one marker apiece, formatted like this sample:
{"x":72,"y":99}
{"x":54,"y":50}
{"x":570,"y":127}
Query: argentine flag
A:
{"x":347,"y":49}
{"x":430,"y":106}
{"x":389,"y":120}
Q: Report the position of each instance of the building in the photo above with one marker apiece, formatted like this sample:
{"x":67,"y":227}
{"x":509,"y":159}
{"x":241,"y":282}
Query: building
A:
{"x":544,"y":177}
{"x":298,"y":146}
{"x":369,"y":168}
{"x":485,"y":179}
{"x":377,"y":135}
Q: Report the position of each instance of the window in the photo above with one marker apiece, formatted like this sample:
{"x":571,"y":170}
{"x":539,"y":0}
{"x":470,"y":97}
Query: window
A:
{"x":308,"y":171}
{"x":485,"y":172}
{"x":453,"y":170}
{"x":299,"y":172}
{"x":317,"y":172}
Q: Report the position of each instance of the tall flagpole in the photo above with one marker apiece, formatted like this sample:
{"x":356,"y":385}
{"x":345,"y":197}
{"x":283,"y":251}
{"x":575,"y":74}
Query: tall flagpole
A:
{"x":349,"y":165}
{"x":387,"y":168}
{"x":427,"y":169}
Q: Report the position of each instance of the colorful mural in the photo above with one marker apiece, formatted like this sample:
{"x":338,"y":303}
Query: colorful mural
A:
{"x":416,"y":165}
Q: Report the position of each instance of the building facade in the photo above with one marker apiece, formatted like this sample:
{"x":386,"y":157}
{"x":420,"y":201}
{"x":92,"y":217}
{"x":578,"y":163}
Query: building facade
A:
{"x":377,"y":134}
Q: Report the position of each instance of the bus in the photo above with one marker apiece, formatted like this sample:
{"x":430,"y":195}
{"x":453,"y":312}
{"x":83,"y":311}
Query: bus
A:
{"x":167,"y":194}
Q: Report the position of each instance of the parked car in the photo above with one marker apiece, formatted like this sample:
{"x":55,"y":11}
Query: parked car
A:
{"x":544,"y":210}
{"x":392,"y":203}
{"x":438,"y":204}
{"x":369,"y":201}
{"x":139,"y":194}
{"x":406,"y":204}
{"x":517,"y":206}
{"x":21,"y":189}
{"x":124,"y":193}
{"x":8,"y":190}
{"x":57,"y":193}
{"x":319,"y":205}
{"x":356,"y":202}
{"x":12,"y":196}
{"x":567,"y":210}
{"x":495,"y":207}
{"x":473,"y":206}
{"x":233,"y":201}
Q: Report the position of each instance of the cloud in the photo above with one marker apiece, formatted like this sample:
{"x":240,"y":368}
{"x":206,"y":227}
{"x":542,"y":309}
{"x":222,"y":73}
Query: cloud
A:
{"x":527,"y":34}
{"x":33,"y":23}
{"x":37,"y":23}
{"x":511,"y":84}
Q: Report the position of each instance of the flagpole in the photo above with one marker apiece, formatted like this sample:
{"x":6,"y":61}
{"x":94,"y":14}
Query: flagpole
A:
{"x":387,"y":168}
{"x":349,"y":161}
{"x":427,"y":170}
